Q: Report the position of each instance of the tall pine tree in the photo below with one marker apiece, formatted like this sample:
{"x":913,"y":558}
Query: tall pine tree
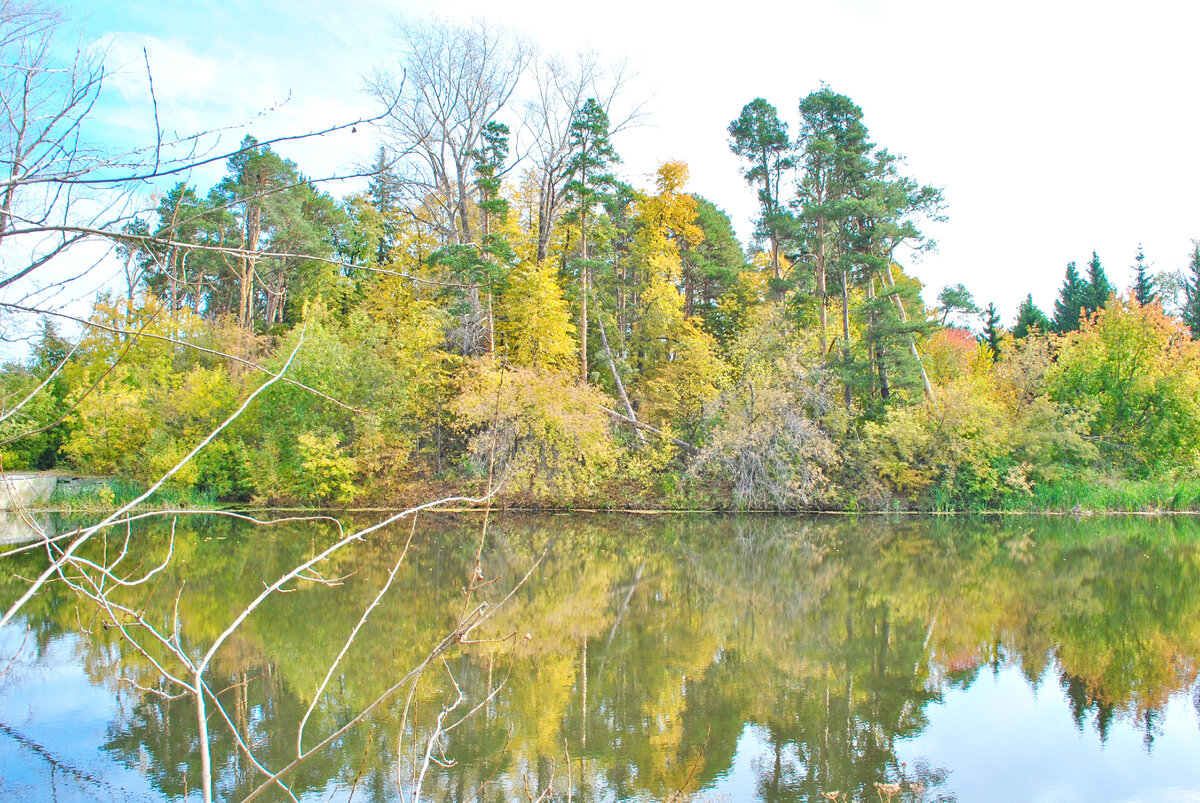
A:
{"x":592,"y":155}
{"x":1191,"y":292}
{"x":761,"y":139}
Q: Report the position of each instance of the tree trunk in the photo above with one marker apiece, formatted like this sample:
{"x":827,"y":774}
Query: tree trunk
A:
{"x":823,"y":296}
{"x":463,"y":191}
{"x":545,"y":220}
{"x":846,"y":334}
{"x":879,"y":356}
{"x":583,"y":294}
{"x":247,"y":262}
{"x":689,"y":291}
{"x":491,"y":324}
{"x":172,"y":279}
{"x":682,"y":444}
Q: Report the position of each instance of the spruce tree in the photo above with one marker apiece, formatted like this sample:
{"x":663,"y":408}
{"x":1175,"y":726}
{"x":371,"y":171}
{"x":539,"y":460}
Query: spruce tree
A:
{"x":1098,"y":287}
{"x":1071,"y":300}
{"x":383,"y":193}
{"x":1030,"y":318}
{"x":992,"y":330}
{"x":1191,"y":292}
{"x":1143,"y":284}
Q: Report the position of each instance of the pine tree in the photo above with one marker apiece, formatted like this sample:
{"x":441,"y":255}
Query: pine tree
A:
{"x":1071,"y":300}
{"x":992,"y":330}
{"x":1030,"y":318}
{"x":957,"y":301}
{"x":1143,"y":284}
{"x":1098,"y":287}
{"x":592,"y":154}
{"x":761,"y":139}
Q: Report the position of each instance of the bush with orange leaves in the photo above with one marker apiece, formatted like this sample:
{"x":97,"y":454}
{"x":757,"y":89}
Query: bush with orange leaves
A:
{"x":1134,"y":373}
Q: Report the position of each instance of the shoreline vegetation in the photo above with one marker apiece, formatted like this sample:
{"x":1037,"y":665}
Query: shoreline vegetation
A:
{"x":1113,"y":496}
{"x":539,"y":325}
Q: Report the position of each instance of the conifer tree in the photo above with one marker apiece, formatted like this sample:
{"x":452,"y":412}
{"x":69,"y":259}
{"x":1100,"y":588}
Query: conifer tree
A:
{"x":1030,"y":318}
{"x":592,"y":154}
{"x":1071,"y":300}
{"x":956,"y":301}
{"x":833,"y":147}
{"x":1191,"y":292}
{"x":383,"y":192}
{"x":761,"y":139}
{"x":1098,"y":287}
{"x":1143,"y":284}
{"x":992,"y":330}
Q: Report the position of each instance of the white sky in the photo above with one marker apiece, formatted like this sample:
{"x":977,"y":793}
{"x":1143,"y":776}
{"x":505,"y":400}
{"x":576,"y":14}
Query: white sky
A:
{"x":1055,"y":128}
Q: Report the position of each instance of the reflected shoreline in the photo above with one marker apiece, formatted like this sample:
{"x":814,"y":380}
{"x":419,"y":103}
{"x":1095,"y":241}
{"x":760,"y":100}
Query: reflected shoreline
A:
{"x":655,"y":642}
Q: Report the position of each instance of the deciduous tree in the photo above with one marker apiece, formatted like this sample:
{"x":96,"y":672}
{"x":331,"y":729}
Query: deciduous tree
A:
{"x":454,"y":80}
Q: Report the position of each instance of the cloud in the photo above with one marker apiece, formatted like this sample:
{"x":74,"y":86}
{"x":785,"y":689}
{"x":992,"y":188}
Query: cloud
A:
{"x":194,"y":91}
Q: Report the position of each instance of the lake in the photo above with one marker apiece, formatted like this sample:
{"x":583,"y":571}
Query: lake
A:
{"x":644,"y":658}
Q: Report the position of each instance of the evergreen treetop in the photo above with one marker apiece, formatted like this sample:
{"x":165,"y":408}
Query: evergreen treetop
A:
{"x":1072,"y":298}
{"x":1144,"y":289}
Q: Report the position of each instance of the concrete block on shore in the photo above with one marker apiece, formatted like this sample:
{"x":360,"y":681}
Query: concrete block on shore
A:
{"x":25,"y":490}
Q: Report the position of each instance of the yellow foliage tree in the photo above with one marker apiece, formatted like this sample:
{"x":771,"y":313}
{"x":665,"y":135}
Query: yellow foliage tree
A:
{"x":1136,"y":372}
{"x":679,"y":367}
{"x":680,"y":370}
{"x":544,"y":437}
{"x":533,"y":320}
{"x":667,"y":221}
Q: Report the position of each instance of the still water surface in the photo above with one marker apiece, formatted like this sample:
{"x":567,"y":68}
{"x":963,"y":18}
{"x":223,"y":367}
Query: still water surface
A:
{"x":693,"y":658}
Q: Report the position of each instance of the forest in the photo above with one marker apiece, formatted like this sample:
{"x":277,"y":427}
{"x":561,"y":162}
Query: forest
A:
{"x":499,"y":308}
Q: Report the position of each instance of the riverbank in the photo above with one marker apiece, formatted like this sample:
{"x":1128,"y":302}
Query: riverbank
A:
{"x":1099,"y":494}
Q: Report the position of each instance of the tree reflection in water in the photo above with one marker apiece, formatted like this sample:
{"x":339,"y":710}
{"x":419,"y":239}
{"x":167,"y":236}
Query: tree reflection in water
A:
{"x":659,"y":648}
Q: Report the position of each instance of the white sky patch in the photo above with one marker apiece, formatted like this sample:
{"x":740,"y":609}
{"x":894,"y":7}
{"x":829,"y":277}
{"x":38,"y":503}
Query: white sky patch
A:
{"x":1054,"y":128}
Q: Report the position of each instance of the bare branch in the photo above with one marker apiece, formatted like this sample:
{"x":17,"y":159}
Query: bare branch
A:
{"x":55,"y":566}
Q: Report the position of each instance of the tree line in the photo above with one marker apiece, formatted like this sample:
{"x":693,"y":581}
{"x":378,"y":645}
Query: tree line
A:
{"x":499,"y":305}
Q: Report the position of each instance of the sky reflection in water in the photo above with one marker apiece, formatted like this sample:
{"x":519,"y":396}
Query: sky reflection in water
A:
{"x":778,"y":659}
